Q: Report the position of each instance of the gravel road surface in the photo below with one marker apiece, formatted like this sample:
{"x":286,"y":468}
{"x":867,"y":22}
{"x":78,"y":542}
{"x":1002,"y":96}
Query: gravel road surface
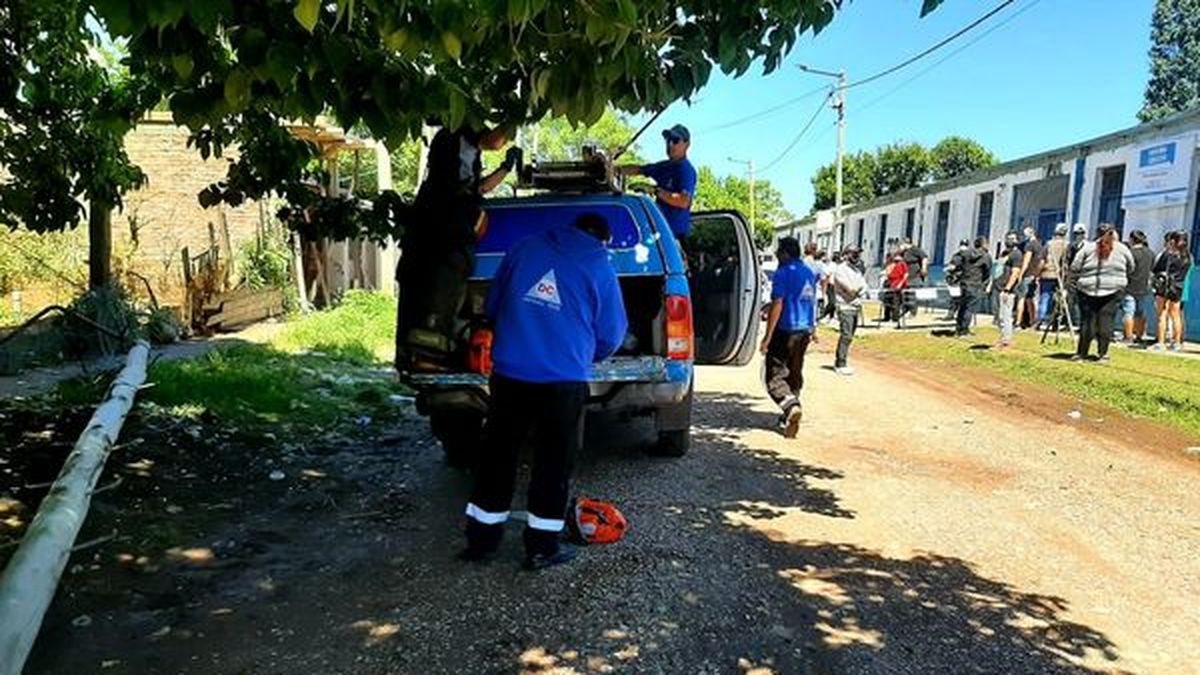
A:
{"x":910,"y":529}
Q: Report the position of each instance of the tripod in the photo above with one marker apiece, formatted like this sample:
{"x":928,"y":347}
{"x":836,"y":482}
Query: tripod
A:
{"x":1060,"y":313}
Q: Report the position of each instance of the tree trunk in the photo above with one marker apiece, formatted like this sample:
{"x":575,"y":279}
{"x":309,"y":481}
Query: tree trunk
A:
{"x":99,"y":244}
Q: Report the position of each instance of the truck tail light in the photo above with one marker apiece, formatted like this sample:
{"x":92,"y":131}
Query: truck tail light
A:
{"x":680,"y":338}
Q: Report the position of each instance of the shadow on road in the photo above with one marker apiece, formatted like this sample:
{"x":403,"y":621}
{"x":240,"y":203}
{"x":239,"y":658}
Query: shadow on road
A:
{"x":717,"y":574}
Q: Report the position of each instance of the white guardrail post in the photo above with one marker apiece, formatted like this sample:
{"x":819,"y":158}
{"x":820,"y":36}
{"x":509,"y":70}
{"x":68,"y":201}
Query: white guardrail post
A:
{"x":28,"y":583}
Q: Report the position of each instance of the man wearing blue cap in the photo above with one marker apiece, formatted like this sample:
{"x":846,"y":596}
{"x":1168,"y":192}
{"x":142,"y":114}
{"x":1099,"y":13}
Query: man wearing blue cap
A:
{"x":676,"y":180}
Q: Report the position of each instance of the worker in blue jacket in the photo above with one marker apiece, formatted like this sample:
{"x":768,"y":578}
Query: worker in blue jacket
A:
{"x":556,"y":309}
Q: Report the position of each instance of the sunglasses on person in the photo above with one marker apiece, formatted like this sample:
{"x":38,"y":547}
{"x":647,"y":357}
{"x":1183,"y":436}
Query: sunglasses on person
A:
{"x":674,"y":139}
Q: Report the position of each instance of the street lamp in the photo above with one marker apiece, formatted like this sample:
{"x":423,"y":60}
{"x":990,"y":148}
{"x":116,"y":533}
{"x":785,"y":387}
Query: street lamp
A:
{"x":750,"y":164}
{"x":839,"y":104}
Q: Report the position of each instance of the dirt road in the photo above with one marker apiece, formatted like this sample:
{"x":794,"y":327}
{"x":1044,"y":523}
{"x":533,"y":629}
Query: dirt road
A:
{"x":908,"y":530}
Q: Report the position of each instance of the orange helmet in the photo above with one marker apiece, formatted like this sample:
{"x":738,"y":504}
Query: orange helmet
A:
{"x":596,"y":522}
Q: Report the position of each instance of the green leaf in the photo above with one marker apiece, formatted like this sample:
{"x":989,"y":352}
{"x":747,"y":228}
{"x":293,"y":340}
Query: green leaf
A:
{"x":183,"y":65}
{"x":458,"y":109}
{"x":452,"y":44}
{"x":307,"y":12}
{"x":165,"y":12}
{"x":541,"y":84}
{"x":928,"y":6}
{"x":117,"y":15}
{"x":237,"y":89}
{"x":518,"y":11}
{"x":206,"y":14}
{"x":283,"y":63}
{"x":396,"y":40}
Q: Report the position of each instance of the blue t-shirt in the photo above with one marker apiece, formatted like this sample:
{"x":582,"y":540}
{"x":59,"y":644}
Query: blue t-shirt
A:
{"x":674,"y":176}
{"x":796,"y":284}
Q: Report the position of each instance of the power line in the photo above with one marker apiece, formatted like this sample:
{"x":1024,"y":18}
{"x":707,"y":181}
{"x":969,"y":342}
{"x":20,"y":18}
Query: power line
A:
{"x":875,"y":101}
{"x":800,"y":135}
{"x":769,"y":111}
{"x":934,"y":48}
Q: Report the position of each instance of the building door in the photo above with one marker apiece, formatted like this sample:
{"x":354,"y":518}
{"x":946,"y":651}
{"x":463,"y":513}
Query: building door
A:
{"x":1112,"y":184}
{"x":910,"y":222}
{"x":862,"y":227}
{"x":983,"y":222}
{"x":942,"y":228}
{"x":881,"y":242}
{"x":1046,"y":221}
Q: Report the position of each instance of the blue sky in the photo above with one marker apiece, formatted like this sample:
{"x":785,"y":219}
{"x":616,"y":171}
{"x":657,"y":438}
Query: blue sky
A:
{"x":1058,"y":72}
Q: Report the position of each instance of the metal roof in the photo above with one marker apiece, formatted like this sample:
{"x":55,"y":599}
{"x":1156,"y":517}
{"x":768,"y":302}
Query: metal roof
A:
{"x":1068,"y":152}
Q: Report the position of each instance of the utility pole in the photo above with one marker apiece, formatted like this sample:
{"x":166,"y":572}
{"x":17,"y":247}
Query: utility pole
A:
{"x":838,"y":103}
{"x":750,"y":165}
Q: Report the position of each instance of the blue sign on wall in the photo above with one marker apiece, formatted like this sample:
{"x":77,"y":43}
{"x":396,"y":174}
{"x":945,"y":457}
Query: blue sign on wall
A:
{"x":1157,"y":154}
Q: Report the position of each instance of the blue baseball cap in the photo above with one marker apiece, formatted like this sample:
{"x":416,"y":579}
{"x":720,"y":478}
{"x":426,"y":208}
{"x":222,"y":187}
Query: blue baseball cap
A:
{"x":678,"y":131}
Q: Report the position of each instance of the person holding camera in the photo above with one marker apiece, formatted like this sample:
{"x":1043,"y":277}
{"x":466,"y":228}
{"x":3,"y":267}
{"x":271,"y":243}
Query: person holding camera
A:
{"x":1170,"y":273}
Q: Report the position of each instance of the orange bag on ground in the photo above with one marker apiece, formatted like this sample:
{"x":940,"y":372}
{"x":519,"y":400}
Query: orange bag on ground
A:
{"x":595,"y":522}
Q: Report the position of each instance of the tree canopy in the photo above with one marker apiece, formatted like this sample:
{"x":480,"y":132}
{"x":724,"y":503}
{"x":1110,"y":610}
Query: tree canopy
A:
{"x":234,"y":71}
{"x":733,"y":192}
{"x":1174,"y":83}
{"x":896,"y":167}
{"x":956,"y":156}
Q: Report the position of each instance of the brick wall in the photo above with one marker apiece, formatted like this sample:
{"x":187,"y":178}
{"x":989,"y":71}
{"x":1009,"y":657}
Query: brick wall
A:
{"x":166,"y":212}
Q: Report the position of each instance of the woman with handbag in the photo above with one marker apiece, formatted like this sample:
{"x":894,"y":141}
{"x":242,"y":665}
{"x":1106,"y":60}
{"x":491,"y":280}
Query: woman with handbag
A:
{"x":1170,"y":274}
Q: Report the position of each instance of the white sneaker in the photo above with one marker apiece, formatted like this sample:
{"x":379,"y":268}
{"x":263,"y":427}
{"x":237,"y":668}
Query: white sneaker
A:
{"x":844,"y":370}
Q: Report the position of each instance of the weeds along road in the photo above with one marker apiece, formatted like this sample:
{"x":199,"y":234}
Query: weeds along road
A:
{"x":908,"y":530}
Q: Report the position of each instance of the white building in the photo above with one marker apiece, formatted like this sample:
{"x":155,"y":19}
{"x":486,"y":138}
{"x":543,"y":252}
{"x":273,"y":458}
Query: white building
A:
{"x":1142,"y":178}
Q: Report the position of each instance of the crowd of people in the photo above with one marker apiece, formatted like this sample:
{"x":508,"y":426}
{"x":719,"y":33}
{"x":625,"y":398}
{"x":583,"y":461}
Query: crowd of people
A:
{"x":1107,"y":288}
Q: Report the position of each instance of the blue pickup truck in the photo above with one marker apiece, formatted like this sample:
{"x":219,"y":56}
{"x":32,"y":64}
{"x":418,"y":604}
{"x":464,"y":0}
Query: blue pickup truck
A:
{"x":703,"y":313}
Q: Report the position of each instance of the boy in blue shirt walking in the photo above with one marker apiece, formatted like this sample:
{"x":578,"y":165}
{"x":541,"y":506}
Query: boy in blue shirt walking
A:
{"x":791,"y":326}
{"x":556,"y":308}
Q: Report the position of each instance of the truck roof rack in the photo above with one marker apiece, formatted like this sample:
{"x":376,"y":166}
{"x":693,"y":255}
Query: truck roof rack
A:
{"x":591,"y":174}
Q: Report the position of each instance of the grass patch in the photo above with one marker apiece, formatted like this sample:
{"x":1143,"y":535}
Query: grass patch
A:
{"x":1150,"y":386}
{"x":361,"y":330}
{"x":256,"y":385}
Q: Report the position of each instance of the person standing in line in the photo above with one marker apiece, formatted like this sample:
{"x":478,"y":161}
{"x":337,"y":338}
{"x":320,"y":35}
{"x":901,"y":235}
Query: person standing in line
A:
{"x":1170,"y":276}
{"x":814,"y":257}
{"x":849,"y":285}
{"x":676,"y":180}
{"x":1101,"y":272}
{"x":830,"y":308}
{"x":1078,"y":240}
{"x":1054,"y":261}
{"x":917,"y":262}
{"x":954,"y":280}
{"x":557,"y":309}
{"x":1139,"y":302}
{"x":791,"y":326}
{"x":895,"y":281}
{"x":1010,"y":284}
{"x":974,"y":267}
{"x":1027,"y":290}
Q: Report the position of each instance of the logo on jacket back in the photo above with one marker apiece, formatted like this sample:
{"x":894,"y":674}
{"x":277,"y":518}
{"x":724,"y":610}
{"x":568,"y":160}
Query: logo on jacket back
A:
{"x":545,"y":292}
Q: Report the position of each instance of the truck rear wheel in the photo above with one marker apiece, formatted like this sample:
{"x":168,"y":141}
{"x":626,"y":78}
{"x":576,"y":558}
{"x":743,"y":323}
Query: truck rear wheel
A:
{"x":460,"y":433}
{"x":674,"y":425}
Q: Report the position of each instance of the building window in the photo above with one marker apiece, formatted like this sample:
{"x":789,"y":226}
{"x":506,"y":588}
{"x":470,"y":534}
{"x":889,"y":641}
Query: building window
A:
{"x":983,"y":223}
{"x":881,"y":242}
{"x":1112,"y":183}
{"x":841,"y":237}
{"x":910,"y":222}
{"x":942,"y":229}
{"x":862,"y":226}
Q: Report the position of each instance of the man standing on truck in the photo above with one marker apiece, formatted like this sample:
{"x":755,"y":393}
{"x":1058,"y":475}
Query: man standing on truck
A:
{"x":439,"y":243}
{"x":676,"y":180}
{"x":556,"y":307}
{"x":791,"y":326}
